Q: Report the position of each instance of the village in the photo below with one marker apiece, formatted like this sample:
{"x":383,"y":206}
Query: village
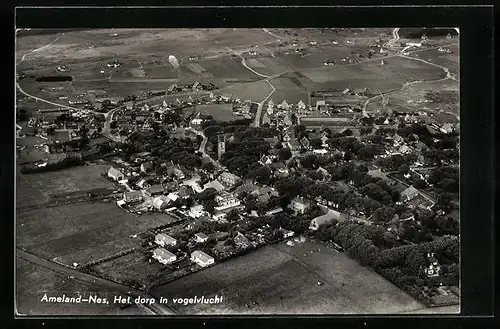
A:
{"x":225,"y":176}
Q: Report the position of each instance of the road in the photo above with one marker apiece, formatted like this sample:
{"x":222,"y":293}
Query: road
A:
{"x":156,"y":308}
{"x":203,"y":146}
{"x":106,"y":131}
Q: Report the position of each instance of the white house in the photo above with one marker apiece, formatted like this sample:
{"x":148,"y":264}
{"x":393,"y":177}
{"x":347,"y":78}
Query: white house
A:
{"x":409,"y":193}
{"x":201,"y":237}
{"x":164,"y":256}
{"x":165,"y":240}
{"x":160,"y":202}
{"x":226,"y":200}
{"x":201,"y":258}
{"x":115,"y":174}
{"x":196,"y":211}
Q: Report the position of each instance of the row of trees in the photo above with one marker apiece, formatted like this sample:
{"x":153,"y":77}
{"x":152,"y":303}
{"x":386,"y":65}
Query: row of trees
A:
{"x":401,"y":264}
{"x":65,"y":163}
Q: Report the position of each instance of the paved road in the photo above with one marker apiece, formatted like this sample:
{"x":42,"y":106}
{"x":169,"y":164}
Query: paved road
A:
{"x":87,"y":278}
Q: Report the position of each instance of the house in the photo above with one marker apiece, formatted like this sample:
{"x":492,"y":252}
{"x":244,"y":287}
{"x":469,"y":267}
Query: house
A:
{"x":247,"y":187}
{"x":320,"y":104}
{"x":115,"y":174}
{"x":225,"y":201}
{"x":201,"y":258}
{"x":287,"y":233}
{"x":196,"y":211}
{"x":404,"y":149}
{"x":274,"y":211}
{"x":164,"y":256}
{"x":328,"y":217}
{"x":201,"y":237}
{"x":409,"y":193}
{"x":301,"y":106}
{"x":300,"y":205}
{"x":176,"y":172}
{"x":229,"y":179}
{"x":219,"y":215}
{"x":265,"y":160}
{"x":447,"y":128}
{"x":155,"y":190}
{"x":132,"y":196}
{"x":161,"y":202}
{"x":241,"y":241}
{"x":377,"y":173}
{"x":294,"y":145}
{"x":305,"y":142}
{"x":185,"y":191}
{"x":433,"y":268}
{"x":397,"y":139}
{"x":215,"y":184}
{"x":284,"y":105}
{"x":165,"y":240}
{"x":173,"y":196}
{"x":147,"y":167}
{"x":142,"y":184}
{"x":324,"y":172}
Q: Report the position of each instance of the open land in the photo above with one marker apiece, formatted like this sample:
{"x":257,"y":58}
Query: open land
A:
{"x":306,"y":278}
{"x":281,"y":280}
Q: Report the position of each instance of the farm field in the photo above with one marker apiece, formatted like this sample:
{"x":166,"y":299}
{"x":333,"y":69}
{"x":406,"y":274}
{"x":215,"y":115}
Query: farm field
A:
{"x":287,"y":90}
{"x":280,"y":280}
{"x":255,"y":91}
{"x":450,"y":61}
{"x":220,"y":112}
{"x":32,"y":281}
{"x":398,"y":70}
{"x":82,"y":232}
{"x":79,"y":178}
{"x":439,"y":99}
{"x":131,"y":266}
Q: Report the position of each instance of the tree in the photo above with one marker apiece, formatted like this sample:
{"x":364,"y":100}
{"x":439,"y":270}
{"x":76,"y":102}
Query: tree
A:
{"x":300,"y":131}
{"x":262,"y":174}
{"x":232,"y":216}
{"x":316,"y":143}
{"x":383,"y":214}
{"x":278,"y":145}
{"x":208,"y":166}
{"x":284,"y":154}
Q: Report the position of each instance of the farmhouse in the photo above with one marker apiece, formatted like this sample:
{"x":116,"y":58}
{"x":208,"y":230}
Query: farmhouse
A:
{"x":165,"y":240}
{"x":201,"y":258}
{"x":155,"y":190}
{"x":433,"y":268}
{"x":132,"y":196}
{"x":164,"y":256}
{"x":160,"y":202}
{"x":115,"y":174}
{"x":324,"y":219}
{"x":201,"y":237}
{"x":196,"y":211}
{"x":241,"y":241}
{"x":229,"y":179}
{"x":409,"y":193}
{"x":300,"y":205}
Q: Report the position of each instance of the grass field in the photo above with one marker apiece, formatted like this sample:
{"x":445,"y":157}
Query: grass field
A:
{"x":32,"y":281}
{"x":440,"y":99}
{"x":78,"y":232}
{"x":450,"y":61}
{"x":255,"y":91}
{"x":281,"y":280}
{"x":220,"y":112}
{"x":287,"y":90}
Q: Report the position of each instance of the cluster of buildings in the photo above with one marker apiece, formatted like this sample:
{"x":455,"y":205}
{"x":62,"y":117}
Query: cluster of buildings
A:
{"x":166,"y":257}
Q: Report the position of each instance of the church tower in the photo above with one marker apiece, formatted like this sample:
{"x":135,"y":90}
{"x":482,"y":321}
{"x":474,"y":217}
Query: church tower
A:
{"x":221,"y":147}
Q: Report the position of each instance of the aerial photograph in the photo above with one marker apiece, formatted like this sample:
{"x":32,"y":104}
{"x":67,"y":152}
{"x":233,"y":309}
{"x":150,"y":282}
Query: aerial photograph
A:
{"x":230,"y":171}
